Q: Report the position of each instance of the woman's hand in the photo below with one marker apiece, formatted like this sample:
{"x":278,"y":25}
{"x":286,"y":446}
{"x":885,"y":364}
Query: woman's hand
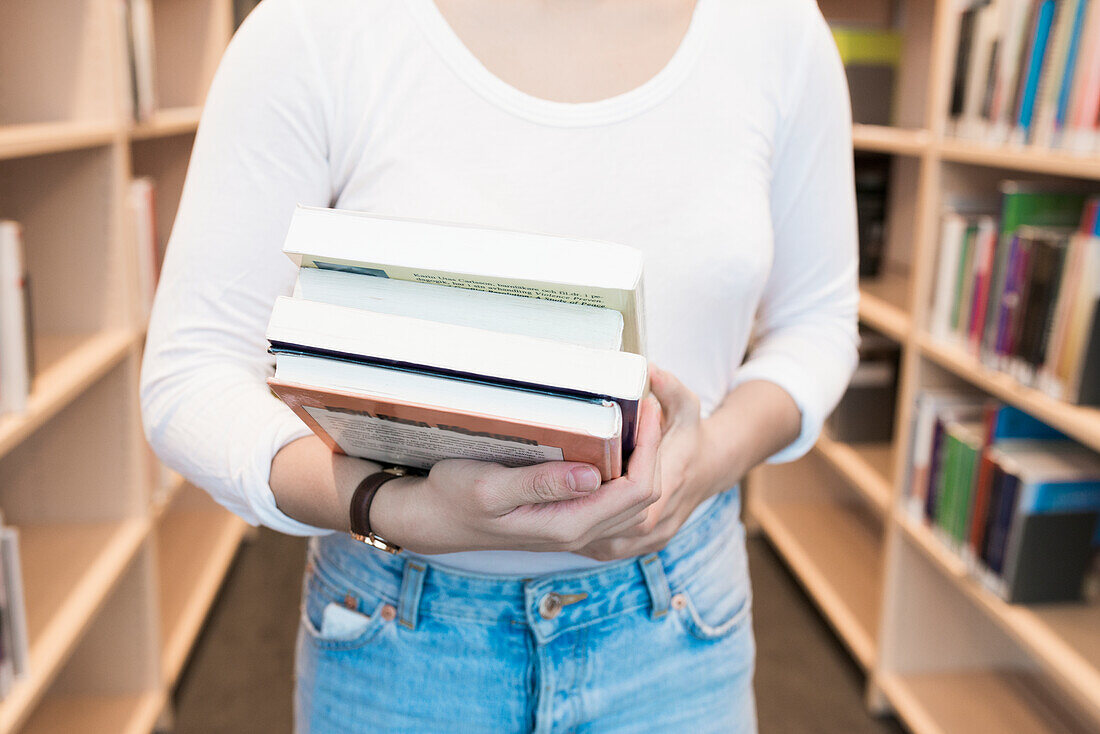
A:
{"x":687,"y":473}
{"x":557,"y":506}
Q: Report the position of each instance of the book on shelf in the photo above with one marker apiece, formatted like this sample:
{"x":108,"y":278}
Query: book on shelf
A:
{"x":872,"y":179}
{"x":16,"y":330}
{"x":142,"y":204}
{"x":871,"y":57}
{"x":1013,"y":498}
{"x":1019,"y":289}
{"x":394,"y":348}
{"x":14,"y":639}
{"x":1027,"y":73}
{"x":141,"y":57}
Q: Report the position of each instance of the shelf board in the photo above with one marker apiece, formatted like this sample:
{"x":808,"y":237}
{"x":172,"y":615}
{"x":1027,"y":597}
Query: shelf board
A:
{"x":195,"y":549}
{"x":976,"y":702}
{"x":886,"y":139}
{"x":1079,"y":422}
{"x":1064,"y":639}
{"x":865,"y":466}
{"x":883,"y":303}
{"x":119,"y":714}
{"x":67,"y":365}
{"x":21,"y":141}
{"x":168,"y":122}
{"x":1036,"y":160}
{"x":837,"y":556}
{"x":68,"y":572}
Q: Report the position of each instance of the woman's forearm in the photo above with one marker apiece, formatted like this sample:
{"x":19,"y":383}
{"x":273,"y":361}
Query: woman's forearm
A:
{"x":756,"y":420}
{"x":314,"y":485}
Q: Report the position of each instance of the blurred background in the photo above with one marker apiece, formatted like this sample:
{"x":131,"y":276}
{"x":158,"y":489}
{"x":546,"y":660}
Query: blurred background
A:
{"x":930,"y":566}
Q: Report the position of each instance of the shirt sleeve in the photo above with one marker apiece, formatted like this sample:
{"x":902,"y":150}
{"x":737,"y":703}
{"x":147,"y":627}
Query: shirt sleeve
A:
{"x":806,"y":335}
{"x":260,"y":150}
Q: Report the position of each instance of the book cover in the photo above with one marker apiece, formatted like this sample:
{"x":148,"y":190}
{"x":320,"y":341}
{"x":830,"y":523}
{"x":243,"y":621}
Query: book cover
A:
{"x":416,"y":435}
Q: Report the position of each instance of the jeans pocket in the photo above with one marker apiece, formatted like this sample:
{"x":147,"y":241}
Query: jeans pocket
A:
{"x":717,"y":600}
{"x":334,"y":619}
{"x":708,"y":626}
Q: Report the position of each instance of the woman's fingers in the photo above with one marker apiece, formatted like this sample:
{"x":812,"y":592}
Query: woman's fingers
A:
{"x":680,"y":405}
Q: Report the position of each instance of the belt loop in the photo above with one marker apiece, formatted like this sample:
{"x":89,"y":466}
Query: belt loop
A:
{"x":412,"y":582}
{"x":657,"y":584}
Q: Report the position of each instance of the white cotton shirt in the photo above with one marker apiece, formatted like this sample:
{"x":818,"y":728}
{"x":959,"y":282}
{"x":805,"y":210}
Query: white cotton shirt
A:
{"x":731,"y":170}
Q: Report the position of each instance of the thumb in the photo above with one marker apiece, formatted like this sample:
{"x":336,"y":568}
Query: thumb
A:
{"x":678,"y":403}
{"x":553,"y":481}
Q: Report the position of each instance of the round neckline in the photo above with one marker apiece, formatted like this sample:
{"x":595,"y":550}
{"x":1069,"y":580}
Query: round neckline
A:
{"x":469,"y":68}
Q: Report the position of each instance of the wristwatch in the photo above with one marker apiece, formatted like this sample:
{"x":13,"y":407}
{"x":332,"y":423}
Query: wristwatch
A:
{"x":362,"y":499}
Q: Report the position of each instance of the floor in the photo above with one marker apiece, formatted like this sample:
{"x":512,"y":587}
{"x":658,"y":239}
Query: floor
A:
{"x":239,"y":678}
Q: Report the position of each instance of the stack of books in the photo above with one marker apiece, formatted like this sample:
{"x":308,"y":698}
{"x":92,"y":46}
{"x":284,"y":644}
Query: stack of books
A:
{"x":1021,"y":288}
{"x":16,"y":332}
{"x":410,"y":342}
{"x":1028,"y":72}
{"x":1015,"y":499}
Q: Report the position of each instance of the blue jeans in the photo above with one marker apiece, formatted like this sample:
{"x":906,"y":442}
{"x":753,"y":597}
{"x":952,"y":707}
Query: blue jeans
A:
{"x":653,"y":644}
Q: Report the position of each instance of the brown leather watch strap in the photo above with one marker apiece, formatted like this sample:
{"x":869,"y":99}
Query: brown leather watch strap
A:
{"x":361,"y":501}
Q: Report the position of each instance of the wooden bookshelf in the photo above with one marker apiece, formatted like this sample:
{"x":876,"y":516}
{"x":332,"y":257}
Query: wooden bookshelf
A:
{"x":120,"y":562}
{"x":867,"y":467}
{"x":941,"y":651}
{"x":884,"y":303}
{"x":831,"y":543}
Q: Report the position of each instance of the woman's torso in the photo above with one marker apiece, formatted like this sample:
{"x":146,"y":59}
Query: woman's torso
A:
{"x":679,"y":168}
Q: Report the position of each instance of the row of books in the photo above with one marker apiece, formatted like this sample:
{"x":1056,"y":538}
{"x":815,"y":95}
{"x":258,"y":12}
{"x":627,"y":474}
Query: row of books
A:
{"x":1020,"y":287}
{"x":1027,"y":72}
{"x":409,"y":342}
{"x":1015,"y":499}
{"x":872,"y":179}
{"x":16,"y":332}
{"x":14,"y":639}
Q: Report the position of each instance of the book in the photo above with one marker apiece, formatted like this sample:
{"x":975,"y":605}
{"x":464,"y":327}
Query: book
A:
{"x":1044,"y":559}
{"x":550,"y":267}
{"x":415,"y":418}
{"x":142,"y":55}
{"x":871,"y":57}
{"x":599,"y":328}
{"x":299,"y":326}
{"x":15,"y":612}
{"x":142,"y":204}
{"x":16,"y":331}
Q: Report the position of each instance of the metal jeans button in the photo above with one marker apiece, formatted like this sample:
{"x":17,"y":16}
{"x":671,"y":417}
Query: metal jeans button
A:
{"x":550,"y":605}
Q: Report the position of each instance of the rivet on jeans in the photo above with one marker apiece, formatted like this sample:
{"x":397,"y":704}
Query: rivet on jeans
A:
{"x":679,"y":601}
{"x":389,"y":612}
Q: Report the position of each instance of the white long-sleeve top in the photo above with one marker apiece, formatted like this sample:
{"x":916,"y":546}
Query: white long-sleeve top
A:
{"x":731,"y":170}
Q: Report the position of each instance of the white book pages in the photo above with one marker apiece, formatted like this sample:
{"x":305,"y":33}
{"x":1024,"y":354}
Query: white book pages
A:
{"x":588,"y":326}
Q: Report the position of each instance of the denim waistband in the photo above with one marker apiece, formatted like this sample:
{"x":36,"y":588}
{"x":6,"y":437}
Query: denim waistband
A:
{"x":550,"y":604}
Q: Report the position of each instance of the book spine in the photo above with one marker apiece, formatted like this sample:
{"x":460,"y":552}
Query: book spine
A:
{"x":935,"y":471}
{"x":16,"y":348}
{"x":1088,"y":391}
{"x":982,"y":492}
{"x":1069,"y":70}
{"x":999,"y":533}
{"x":1042,"y":133}
{"x":1030,"y":79}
